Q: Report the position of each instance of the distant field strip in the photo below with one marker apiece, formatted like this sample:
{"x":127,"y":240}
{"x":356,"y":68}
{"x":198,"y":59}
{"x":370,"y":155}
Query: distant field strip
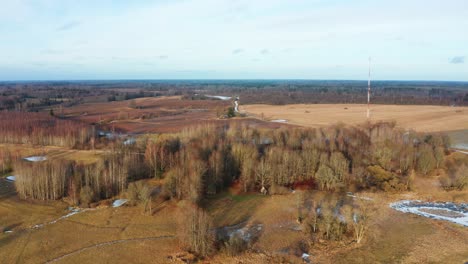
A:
{"x":113,"y":242}
{"x":424,"y":118}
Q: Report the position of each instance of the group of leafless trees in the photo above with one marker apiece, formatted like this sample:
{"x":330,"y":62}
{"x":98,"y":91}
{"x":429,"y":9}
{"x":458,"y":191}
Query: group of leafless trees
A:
{"x":42,"y":129}
{"x":83,"y":184}
{"x":204,"y":160}
{"x":334,"y":218}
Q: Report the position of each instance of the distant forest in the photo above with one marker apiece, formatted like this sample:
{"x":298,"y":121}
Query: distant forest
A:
{"x":36,"y":96}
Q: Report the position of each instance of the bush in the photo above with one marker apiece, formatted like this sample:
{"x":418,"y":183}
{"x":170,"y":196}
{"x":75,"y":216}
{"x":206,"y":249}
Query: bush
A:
{"x":278,"y":189}
{"x":86,"y":196}
{"x":139,"y":192}
{"x":235,"y":245}
{"x":458,"y":179}
{"x":196,"y":233}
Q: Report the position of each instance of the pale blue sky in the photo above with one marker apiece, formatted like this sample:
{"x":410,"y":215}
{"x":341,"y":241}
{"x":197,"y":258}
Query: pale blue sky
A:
{"x":238,"y":39}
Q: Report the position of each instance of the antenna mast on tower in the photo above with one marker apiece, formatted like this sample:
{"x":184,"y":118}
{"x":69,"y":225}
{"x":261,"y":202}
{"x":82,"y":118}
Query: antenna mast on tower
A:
{"x":368,"y":92}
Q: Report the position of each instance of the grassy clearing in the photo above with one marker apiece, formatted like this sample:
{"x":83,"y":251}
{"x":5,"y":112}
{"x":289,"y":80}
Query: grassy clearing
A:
{"x":51,"y":152}
{"x":88,"y":229}
{"x":227,"y":208}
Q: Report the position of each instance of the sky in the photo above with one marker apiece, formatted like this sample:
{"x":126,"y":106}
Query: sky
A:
{"x":233,"y":39}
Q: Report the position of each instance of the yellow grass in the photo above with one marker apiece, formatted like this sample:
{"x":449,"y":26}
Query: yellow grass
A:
{"x":418,"y":117}
{"x":52,"y":152}
{"x":89,"y":237}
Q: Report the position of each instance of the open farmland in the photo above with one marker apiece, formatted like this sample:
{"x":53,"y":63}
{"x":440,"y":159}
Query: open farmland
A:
{"x":420,"y":118}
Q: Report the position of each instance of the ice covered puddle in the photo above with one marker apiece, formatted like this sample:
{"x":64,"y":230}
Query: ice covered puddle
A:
{"x":456,"y":213}
{"x":118,"y":203}
{"x":224,"y":98}
{"x":11,"y":178}
{"x":36,"y":158}
{"x":280,"y":121}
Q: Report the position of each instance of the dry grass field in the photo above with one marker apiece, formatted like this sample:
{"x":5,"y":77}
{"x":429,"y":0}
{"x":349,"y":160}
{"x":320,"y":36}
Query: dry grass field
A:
{"x":52,"y":152}
{"x":422,"y":118}
{"x":147,"y":115}
{"x":125,"y":234}
{"x":394,"y":237}
{"x":157,"y":114}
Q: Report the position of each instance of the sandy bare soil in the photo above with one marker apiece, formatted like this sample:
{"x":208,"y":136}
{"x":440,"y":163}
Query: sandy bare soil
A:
{"x":418,"y":117}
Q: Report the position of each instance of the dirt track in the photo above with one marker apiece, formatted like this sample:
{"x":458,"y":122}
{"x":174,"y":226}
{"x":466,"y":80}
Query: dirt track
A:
{"x":106,"y":244}
{"x":418,"y":117}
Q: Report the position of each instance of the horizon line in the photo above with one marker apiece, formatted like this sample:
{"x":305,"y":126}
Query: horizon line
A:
{"x":225,"y":79}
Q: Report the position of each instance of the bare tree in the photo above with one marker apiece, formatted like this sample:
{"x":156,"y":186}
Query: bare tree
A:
{"x":195,"y":232}
{"x":358,"y":217}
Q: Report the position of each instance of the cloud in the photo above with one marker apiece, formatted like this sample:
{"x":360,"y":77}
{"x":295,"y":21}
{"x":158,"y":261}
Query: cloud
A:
{"x":457,"y":60}
{"x":52,"y":51}
{"x":237,"y":51}
{"x":68,"y":26}
{"x":264,"y":51}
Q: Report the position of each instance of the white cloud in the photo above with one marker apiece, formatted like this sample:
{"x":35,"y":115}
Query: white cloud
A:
{"x":202,"y":35}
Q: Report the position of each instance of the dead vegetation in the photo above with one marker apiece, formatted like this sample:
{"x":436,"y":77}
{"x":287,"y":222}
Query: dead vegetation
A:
{"x":422,"y":118}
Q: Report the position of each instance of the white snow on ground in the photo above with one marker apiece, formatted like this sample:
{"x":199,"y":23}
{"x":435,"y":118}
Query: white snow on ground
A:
{"x":119,"y":202}
{"x":305,"y":257}
{"x":129,"y":141}
{"x":279,"y":120}
{"x":73,"y":211}
{"x":456,"y":213}
{"x":36,"y":158}
{"x":360,"y":197}
{"x":11,"y":178}
{"x":224,"y":98}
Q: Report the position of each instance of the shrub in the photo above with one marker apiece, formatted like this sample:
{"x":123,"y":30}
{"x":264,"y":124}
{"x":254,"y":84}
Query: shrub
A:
{"x":279,"y":190}
{"x":235,"y":245}
{"x":195,"y":232}
{"x":86,"y":195}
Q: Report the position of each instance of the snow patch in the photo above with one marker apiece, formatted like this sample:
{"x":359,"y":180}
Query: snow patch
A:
{"x":11,"y":178}
{"x":279,"y":120}
{"x":455,"y":213}
{"x":224,"y":98}
{"x":246,"y":232}
{"x":305,"y":257}
{"x":35,"y":158}
{"x":73,"y":211}
{"x":360,"y":197}
{"x":119,"y":202}
{"x":129,"y":141}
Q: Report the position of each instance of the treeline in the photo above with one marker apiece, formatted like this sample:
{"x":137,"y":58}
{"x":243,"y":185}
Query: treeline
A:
{"x":382,"y":94}
{"x":205,"y":160}
{"x":40,"y":96}
{"x":43,"y":129}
